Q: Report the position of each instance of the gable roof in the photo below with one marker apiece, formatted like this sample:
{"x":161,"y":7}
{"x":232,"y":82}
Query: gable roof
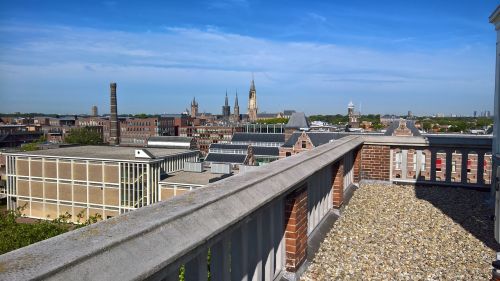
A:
{"x":267,"y":151}
{"x":229,"y":146}
{"x":292,"y":140}
{"x":409,"y":124}
{"x":319,"y":138}
{"x":258,"y":137}
{"x":226,"y":158}
{"x":298,"y":120}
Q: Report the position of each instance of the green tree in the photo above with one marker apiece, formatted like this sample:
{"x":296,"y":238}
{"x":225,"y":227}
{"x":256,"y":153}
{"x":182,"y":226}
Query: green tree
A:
{"x":273,"y":121}
{"x":85,"y":136}
{"x":16,"y":235}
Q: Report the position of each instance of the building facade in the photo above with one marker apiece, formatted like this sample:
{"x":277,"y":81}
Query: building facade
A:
{"x":206,"y":135}
{"x":88,"y":180}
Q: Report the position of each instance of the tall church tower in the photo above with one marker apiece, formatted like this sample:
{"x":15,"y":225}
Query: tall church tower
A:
{"x":226,"y":109}
{"x":353,"y":116}
{"x":252,"y":103}
{"x":194,"y":108}
{"x":236,"y":113}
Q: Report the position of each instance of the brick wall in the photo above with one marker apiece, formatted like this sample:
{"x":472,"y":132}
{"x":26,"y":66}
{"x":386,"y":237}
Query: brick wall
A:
{"x":375,"y":162}
{"x":338,"y":183}
{"x":357,"y":165}
{"x":296,"y":228}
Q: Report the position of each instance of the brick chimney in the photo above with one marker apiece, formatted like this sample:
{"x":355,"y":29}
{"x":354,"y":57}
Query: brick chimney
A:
{"x":114,"y":134}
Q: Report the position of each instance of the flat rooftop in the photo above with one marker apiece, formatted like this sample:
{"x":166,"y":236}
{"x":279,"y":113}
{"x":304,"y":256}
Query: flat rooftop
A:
{"x":103,"y":152}
{"x":183,"y":177}
{"x":409,"y":233}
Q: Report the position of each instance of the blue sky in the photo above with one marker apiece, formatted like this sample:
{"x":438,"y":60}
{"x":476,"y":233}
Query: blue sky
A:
{"x":312,"y":56}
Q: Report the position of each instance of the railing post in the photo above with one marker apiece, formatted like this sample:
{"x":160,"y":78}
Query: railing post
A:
{"x":220,"y":267}
{"x":239,"y":253}
{"x":433,"y":164}
{"x":196,"y":269}
{"x":480,"y":167}
{"x":296,"y":228}
{"x":449,"y":156}
{"x":338,"y":183}
{"x":463,"y":168}
{"x":404,"y":163}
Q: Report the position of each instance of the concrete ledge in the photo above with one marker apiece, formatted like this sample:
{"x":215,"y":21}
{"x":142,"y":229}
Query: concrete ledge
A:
{"x":141,"y":243}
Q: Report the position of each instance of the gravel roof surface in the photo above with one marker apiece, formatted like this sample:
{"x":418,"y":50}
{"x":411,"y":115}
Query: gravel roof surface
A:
{"x":408,"y":233}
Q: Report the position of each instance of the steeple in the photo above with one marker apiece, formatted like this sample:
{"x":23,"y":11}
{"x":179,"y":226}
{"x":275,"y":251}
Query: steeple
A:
{"x":226,"y":109}
{"x":194,"y":108}
{"x":252,"y":102}
{"x":236,"y":110}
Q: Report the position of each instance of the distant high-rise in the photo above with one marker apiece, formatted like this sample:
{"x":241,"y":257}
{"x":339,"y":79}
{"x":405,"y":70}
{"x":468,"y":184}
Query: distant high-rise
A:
{"x":252,"y":103}
{"x":94,"y":111}
{"x":194,"y":108}
{"x":475,"y":113}
{"x":114,"y":132}
{"x":226,"y":109}
{"x":236,"y":113}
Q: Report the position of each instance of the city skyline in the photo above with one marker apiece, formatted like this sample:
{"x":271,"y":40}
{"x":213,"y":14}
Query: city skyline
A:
{"x":389,"y":56}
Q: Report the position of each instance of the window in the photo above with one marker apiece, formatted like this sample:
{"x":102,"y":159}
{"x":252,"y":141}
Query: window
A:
{"x":469,"y":164}
{"x":423,"y":162}
{"x":304,"y":144}
{"x":399,"y":160}
{"x":454,"y":166}
{"x":288,"y":154}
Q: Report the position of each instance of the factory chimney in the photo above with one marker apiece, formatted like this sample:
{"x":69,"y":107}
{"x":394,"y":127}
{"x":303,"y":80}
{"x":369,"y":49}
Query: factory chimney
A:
{"x":114,"y":134}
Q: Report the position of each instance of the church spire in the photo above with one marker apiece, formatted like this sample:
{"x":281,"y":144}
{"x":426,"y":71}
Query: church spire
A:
{"x":236,"y":100}
{"x":227,"y":101}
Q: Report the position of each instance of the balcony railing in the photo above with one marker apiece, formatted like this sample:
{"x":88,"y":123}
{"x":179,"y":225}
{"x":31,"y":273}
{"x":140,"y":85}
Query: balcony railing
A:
{"x":253,"y":226}
{"x":464,"y":161}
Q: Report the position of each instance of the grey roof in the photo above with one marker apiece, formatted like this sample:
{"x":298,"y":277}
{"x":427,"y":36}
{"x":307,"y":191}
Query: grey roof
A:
{"x":297,"y":120}
{"x":226,"y":158}
{"x":228,"y":146}
{"x":317,"y":138}
{"x":409,"y":124}
{"x":104,"y":152}
{"x":288,"y":112}
{"x":292,"y":140}
{"x":268,"y":151}
{"x":171,"y":139}
{"x":258,"y":137}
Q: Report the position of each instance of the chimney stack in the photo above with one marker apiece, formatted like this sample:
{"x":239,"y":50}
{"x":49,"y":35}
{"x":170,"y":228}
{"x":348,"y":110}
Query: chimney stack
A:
{"x":114,"y":134}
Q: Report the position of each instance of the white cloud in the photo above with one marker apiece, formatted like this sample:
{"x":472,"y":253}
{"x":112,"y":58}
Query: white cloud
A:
{"x":187,"y":61}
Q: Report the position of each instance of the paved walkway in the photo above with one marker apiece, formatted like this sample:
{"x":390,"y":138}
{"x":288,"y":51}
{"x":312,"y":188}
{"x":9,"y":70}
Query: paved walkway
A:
{"x":408,"y":233}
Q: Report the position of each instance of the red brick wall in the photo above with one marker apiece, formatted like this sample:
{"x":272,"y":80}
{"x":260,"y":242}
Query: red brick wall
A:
{"x":338,"y":183}
{"x":296,"y":229}
{"x":357,"y":165}
{"x":375,"y":162}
